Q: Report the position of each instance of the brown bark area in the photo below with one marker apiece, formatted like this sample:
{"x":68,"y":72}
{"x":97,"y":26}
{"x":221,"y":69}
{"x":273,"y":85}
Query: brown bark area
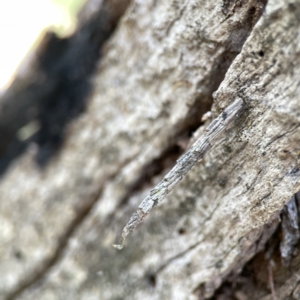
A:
{"x":164,"y":66}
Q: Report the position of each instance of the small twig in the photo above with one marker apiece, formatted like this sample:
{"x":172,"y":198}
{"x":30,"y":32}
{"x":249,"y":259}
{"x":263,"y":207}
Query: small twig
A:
{"x":213,"y":133}
{"x":271,"y":281}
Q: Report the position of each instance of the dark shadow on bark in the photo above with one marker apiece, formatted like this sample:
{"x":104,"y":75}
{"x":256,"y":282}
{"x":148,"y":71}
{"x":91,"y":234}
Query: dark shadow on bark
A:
{"x":57,"y":89}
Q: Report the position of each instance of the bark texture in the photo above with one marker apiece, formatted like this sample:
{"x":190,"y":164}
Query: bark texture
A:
{"x":163,"y":68}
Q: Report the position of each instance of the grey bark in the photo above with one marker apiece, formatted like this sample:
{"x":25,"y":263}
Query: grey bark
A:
{"x":165,"y":65}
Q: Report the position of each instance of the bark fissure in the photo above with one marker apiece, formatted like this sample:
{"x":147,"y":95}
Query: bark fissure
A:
{"x":282,"y":135}
{"x":278,"y":252}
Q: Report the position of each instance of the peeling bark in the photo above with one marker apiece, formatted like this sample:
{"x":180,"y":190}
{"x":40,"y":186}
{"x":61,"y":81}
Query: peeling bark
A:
{"x":163,"y":68}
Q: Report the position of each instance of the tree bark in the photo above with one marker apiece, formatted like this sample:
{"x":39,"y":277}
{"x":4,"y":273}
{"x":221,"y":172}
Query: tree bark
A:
{"x":166,"y":64}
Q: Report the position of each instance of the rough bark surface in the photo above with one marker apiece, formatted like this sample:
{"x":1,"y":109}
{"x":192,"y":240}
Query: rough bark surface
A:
{"x":161,"y":70}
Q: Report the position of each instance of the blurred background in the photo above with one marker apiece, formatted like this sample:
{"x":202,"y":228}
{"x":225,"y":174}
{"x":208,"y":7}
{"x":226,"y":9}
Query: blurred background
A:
{"x":22,"y":25}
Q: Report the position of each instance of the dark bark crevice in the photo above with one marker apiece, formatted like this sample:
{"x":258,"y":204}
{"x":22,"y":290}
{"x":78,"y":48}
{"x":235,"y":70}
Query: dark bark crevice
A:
{"x":270,"y":268}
